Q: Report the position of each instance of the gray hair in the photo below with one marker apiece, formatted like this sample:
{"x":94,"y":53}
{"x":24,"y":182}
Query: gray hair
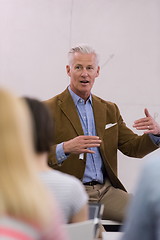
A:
{"x":82,"y":49}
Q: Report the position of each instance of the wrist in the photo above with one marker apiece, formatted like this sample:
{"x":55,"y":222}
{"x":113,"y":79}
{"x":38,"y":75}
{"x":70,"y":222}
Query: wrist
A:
{"x":65,"y":149}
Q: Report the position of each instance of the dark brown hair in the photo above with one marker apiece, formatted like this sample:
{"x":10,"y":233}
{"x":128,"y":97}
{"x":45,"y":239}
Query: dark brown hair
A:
{"x":43,"y":125}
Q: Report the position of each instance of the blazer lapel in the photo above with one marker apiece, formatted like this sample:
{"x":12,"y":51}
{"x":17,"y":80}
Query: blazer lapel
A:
{"x":99,"y":115}
{"x":68,"y":107}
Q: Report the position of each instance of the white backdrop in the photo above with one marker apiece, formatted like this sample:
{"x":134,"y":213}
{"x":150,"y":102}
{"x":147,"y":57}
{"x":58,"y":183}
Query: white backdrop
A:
{"x":35,"y":36}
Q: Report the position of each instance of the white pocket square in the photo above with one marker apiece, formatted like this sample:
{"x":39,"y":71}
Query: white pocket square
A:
{"x":109,"y":125}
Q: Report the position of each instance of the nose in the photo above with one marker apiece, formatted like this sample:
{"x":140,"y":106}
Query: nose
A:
{"x":84,"y":72}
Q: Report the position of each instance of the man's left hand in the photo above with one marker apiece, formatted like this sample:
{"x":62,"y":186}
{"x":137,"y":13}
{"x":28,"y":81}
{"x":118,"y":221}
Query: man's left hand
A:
{"x":148,"y":124}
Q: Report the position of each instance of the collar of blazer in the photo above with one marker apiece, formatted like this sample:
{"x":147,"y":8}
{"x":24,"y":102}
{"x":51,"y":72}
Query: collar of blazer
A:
{"x":67,"y":106}
{"x":99,"y":110}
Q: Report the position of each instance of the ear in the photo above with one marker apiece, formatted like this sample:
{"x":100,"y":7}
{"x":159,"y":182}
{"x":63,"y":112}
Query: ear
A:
{"x":68,"y":70}
{"x":98,"y":69}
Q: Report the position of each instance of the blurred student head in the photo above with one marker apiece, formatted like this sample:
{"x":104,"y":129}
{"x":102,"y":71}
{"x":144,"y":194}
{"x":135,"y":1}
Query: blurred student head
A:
{"x":22,"y":195}
{"x":43,"y":125}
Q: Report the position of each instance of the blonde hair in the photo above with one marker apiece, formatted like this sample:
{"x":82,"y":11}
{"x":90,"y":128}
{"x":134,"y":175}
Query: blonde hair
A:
{"x":22,"y":195}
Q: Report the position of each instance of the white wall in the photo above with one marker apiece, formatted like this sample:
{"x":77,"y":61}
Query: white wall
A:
{"x":35,"y":36}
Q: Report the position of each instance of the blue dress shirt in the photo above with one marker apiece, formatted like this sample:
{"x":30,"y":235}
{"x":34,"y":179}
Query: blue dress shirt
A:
{"x":94,"y":164}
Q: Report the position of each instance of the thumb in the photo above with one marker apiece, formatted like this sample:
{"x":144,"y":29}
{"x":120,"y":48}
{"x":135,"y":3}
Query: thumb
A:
{"x":147,"y":112}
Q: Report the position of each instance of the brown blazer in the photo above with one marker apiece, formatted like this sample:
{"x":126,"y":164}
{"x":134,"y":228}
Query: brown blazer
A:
{"x":67,"y":126}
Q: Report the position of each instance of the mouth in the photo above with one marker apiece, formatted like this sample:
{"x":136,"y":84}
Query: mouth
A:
{"x":84,"y":81}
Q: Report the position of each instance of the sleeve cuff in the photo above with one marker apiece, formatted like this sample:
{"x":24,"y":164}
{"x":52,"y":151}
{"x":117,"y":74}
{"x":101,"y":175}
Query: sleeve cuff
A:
{"x":60,"y":155}
{"x":155,"y":139}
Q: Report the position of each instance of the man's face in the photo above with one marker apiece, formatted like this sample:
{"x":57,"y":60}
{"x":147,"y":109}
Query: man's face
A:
{"x":82,"y":72}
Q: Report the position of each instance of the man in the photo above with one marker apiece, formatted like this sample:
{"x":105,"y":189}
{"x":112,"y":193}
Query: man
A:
{"x":90,"y":130}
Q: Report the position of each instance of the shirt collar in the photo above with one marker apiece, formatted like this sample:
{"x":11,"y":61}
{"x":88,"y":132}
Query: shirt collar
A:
{"x":76,"y":98}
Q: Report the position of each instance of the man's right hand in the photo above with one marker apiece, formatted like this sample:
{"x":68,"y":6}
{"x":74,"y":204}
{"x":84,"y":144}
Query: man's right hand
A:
{"x":81,"y":144}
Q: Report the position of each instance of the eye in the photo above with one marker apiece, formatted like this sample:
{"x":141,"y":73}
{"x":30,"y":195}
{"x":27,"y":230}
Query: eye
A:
{"x":90,"y":67}
{"x":78,"y":67}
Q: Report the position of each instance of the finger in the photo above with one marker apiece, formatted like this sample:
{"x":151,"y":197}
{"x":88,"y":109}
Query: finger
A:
{"x":87,"y":142}
{"x":142,"y":128}
{"x":93,"y":142}
{"x":86,"y":137}
{"x":86,"y":150}
{"x":92,"y":145}
{"x":147,"y":112}
{"x":141,"y":121}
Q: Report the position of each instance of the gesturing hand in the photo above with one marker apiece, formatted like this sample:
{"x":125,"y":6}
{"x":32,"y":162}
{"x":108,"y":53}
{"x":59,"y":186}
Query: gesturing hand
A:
{"x":147,"y":123}
{"x":81,"y":144}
